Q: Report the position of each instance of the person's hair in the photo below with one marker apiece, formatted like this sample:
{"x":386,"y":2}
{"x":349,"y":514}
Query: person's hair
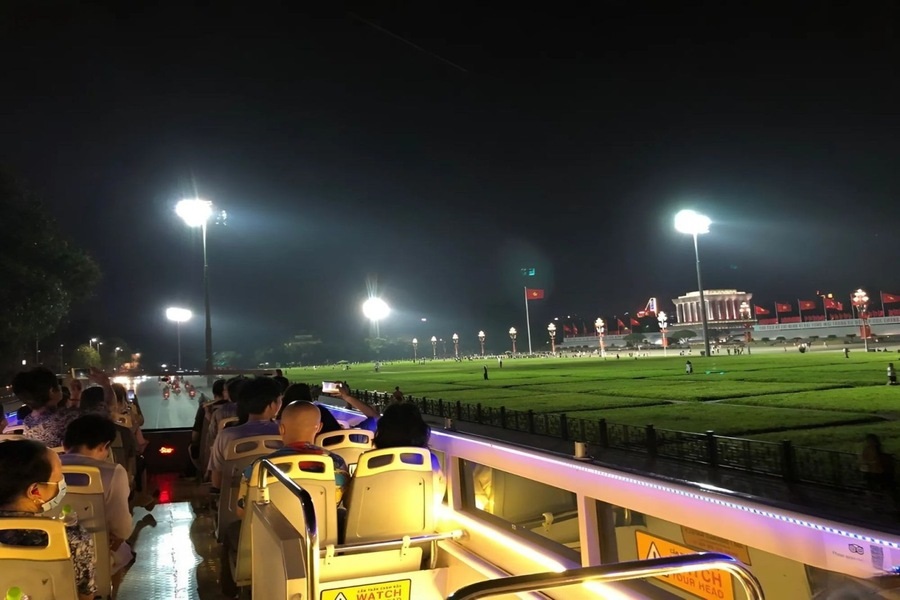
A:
{"x":23,"y":412}
{"x":33,"y":387}
{"x":282,"y":381}
{"x":258,"y":393}
{"x":234,"y":386}
{"x":89,"y":431}
{"x":401,"y":425}
{"x":329,"y":423}
{"x":294,"y":392}
{"x":23,"y":463}
{"x":218,"y":388}
{"x":92,"y":399}
{"x":121,"y":392}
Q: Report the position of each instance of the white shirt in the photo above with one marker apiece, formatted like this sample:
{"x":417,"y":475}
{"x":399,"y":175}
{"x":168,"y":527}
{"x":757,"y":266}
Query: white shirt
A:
{"x":115,"y":492}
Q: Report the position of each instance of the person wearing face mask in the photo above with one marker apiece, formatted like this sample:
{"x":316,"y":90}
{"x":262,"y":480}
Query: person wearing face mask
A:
{"x":33,"y":484}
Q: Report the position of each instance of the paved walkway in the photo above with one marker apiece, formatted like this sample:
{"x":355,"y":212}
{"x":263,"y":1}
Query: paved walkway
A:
{"x":876,"y":511}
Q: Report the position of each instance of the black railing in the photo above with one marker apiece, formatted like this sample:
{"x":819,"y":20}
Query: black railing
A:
{"x":793,"y":464}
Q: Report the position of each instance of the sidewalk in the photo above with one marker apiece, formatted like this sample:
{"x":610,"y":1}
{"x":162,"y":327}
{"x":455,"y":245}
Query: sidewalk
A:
{"x":875,"y":511}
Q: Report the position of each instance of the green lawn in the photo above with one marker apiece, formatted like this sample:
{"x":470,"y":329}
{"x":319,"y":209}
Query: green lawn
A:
{"x":811,"y":399}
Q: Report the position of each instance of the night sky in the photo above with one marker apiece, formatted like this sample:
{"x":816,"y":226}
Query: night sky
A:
{"x":436,"y":152}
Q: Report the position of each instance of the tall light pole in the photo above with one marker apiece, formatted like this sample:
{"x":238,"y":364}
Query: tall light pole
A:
{"x":693,"y":223}
{"x":455,"y":346}
{"x":415,"y":350}
{"x":433,"y":347}
{"x":196,"y":213}
{"x":663,"y":321}
{"x":551,"y":329}
{"x":62,"y":365}
{"x":91,"y":343}
{"x":512,"y":336}
{"x":861,"y":302}
{"x":600,"y":326}
{"x":116,"y":351}
{"x":481,"y":341}
{"x":179,"y":316}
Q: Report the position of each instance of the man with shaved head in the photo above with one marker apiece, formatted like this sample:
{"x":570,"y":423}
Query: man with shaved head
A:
{"x":300,"y":422}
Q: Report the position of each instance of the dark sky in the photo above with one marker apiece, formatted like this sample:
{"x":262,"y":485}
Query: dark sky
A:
{"x":508,"y":138}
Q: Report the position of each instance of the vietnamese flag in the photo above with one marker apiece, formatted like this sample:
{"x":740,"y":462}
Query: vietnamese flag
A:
{"x":620,"y":324}
{"x":779,"y":307}
{"x":889,"y":298}
{"x":635,"y":322}
{"x":806,"y":304}
{"x":833,"y":305}
{"x":760,"y":310}
{"x":533,"y":294}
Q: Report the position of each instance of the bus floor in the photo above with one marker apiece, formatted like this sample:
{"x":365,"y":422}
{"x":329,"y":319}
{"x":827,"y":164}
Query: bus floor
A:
{"x":177,"y":556}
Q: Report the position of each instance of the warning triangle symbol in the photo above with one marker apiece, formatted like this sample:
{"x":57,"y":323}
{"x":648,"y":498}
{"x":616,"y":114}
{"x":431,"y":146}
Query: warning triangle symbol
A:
{"x":340,"y":596}
{"x":652,"y":552}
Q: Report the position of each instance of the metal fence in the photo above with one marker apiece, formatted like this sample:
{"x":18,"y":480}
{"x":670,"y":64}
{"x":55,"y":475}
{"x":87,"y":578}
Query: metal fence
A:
{"x":791,"y":463}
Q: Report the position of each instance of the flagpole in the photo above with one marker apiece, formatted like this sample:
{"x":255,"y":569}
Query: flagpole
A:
{"x":883,"y":314}
{"x":800,"y":309}
{"x":825,"y":306}
{"x":527,"y":319}
{"x":776,"y":314}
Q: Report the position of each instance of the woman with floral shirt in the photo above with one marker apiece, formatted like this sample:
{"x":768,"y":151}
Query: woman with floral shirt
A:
{"x":33,"y":484}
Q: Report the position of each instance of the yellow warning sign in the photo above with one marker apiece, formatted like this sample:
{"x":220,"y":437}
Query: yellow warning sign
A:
{"x":714,"y":543}
{"x":709,"y":585}
{"x":385,"y":590}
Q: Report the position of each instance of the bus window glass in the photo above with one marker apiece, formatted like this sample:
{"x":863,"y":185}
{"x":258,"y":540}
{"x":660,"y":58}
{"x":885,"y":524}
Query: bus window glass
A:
{"x":540,"y":512}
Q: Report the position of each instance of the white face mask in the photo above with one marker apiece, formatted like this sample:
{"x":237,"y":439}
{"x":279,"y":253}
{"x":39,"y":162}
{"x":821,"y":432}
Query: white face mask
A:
{"x":55,"y":500}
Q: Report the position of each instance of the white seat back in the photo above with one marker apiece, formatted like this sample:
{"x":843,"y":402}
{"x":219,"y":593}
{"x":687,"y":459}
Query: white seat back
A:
{"x":312,"y":472}
{"x":123,"y":419}
{"x":347,"y":443}
{"x":239,"y":454}
{"x":11,"y":436}
{"x":15,"y":430}
{"x":41,"y":572}
{"x":227,"y":421}
{"x":385,"y":480}
{"x":84,"y":493}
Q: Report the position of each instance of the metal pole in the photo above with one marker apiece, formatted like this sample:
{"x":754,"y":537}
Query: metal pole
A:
{"x":178,"y":334}
{"x":702,"y":300}
{"x":527,"y":320}
{"x":209,"y":352}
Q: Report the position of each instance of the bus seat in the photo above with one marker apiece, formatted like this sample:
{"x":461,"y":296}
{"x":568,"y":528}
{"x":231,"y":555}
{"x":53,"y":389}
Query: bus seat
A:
{"x":347,"y":443}
{"x":84,"y":493}
{"x":312,"y":472}
{"x":239,"y":454}
{"x":15,"y":430}
{"x":11,"y":436}
{"x":58,"y":449}
{"x":390,"y":495}
{"x":228,"y":422}
{"x":277,"y":561}
{"x":204,"y":448}
{"x":41,"y":572}
{"x":123,"y":419}
{"x":124,"y":451}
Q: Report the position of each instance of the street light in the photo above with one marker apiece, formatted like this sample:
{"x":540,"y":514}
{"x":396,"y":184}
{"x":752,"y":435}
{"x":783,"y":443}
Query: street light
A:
{"x":91,"y":342}
{"x":116,"y":351}
{"x":693,"y":223}
{"x":179,"y":316}
{"x":196,"y":213}
{"x":600,"y":326}
{"x":455,"y":339}
{"x":481,"y":341}
{"x":62,"y":366}
{"x":415,"y":350}
{"x":376,"y":309}
{"x":512,"y":336}
{"x":663,"y":320}
{"x":551,"y":329}
{"x":433,"y":348}
{"x":861,"y":302}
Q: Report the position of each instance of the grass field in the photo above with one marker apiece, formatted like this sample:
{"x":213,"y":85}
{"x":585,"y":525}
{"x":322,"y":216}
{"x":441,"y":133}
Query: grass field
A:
{"x":817,"y":399}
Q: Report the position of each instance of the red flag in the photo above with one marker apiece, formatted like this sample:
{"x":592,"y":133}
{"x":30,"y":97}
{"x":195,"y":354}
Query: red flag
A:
{"x":533,"y":294}
{"x":779,"y":307}
{"x":620,"y":324}
{"x":889,"y":298}
{"x":574,"y":329}
{"x":760,"y":310}
{"x":635,"y":322}
{"x":833,"y":305}
{"x":567,"y":330}
{"x":806,"y":304}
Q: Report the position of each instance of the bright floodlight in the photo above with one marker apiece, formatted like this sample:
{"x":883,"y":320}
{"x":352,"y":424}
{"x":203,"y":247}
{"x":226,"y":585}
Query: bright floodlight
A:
{"x":689,"y":221}
{"x":194,"y":212}
{"x":376,"y":309}
{"x":179,"y":315}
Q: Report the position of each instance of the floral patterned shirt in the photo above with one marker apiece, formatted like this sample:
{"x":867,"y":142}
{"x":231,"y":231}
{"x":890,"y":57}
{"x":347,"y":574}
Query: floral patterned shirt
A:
{"x":81,"y":545}
{"x":49,"y":427}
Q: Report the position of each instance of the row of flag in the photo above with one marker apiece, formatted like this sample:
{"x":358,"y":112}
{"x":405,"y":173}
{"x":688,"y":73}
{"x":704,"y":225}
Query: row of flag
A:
{"x":830,"y":304}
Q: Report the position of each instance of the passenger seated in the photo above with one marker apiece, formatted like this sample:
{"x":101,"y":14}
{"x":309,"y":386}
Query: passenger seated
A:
{"x":370,"y":412}
{"x":87,"y":443}
{"x":40,"y":391}
{"x":261,"y":398}
{"x":226,"y":409}
{"x":32,"y":484}
{"x":402,"y":425}
{"x":204,"y":412}
{"x":300,"y":422}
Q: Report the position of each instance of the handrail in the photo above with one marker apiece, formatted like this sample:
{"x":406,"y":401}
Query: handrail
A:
{"x":311,"y":535}
{"x":636,"y":569}
{"x":429,"y":537}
